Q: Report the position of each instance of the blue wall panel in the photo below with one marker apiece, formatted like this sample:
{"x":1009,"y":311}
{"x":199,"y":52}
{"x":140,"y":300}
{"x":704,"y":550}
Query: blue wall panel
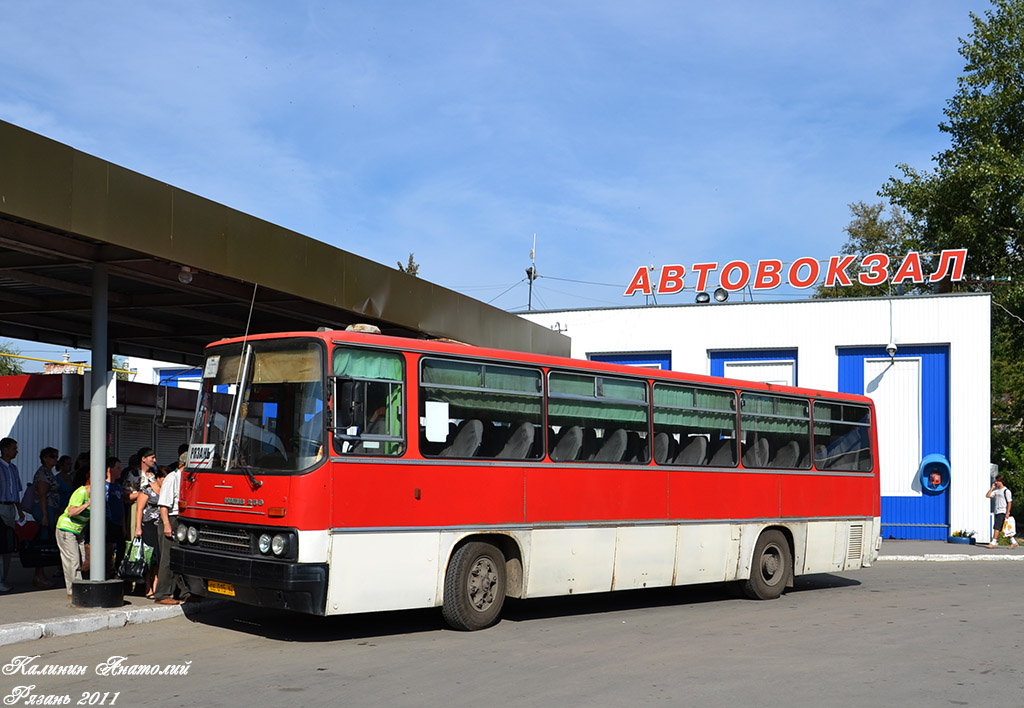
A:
{"x":718,"y":359}
{"x":927,"y":516}
{"x":662,"y":360}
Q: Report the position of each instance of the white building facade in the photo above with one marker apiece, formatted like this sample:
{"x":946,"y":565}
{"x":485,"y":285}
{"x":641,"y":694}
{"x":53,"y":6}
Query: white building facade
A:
{"x":932,"y":392}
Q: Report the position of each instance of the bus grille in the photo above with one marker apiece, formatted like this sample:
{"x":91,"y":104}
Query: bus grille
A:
{"x":225,"y":539}
{"x":856,"y":548}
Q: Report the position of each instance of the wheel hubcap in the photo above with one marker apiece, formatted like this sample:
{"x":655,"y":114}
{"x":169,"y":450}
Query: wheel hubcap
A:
{"x":482,"y":579}
{"x":771,"y":564}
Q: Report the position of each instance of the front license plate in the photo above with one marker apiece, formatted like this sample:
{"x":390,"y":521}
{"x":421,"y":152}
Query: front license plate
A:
{"x":221,"y":588}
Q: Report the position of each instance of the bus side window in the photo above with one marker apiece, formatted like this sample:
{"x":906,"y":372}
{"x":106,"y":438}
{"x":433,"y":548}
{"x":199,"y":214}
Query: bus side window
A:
{"x":842,"y":437}
{"x":368,"y":402}
{"x":608,"y":415}
{"x":696,"y":426}
{"x":776,"y":430}
{"x":499,"y":403}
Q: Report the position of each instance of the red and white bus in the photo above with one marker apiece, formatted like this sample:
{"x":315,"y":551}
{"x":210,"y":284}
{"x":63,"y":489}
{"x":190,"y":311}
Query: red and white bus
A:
{"x":344,"y":472}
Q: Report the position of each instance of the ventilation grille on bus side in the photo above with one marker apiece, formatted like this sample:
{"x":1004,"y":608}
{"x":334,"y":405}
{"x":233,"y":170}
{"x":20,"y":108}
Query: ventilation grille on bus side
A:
{"x":856,"y":548}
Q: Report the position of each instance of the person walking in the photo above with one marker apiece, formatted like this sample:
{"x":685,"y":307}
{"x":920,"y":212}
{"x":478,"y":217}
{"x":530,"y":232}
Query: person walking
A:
{"x":1004,"y":502}
{"x":10,"y":501}
{"x":70,"y":539}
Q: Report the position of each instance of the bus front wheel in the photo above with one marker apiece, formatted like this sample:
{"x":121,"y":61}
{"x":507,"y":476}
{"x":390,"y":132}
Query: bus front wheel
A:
{"x":474,"y":587}
{"x":770,"y":568}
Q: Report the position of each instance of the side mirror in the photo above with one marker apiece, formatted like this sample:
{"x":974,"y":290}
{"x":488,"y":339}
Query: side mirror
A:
{"x":350,"y":403}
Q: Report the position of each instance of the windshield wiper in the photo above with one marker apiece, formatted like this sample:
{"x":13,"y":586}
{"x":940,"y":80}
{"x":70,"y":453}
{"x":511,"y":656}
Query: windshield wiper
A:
{"x":256,"y":483}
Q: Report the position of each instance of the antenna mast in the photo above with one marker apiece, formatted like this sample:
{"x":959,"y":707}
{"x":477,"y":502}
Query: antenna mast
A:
{"x":531,"y":272}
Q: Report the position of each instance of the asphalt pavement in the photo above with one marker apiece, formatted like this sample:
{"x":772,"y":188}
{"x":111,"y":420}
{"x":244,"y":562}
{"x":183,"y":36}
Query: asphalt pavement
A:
{"x":28,"y":613}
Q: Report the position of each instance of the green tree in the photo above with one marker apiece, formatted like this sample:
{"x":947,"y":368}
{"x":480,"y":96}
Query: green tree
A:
{"x":9,"y":365}
{"x":116,"y":363}
{"x":974,"y":198}
{"x":871,"y":230}
{"x":412,"y":267}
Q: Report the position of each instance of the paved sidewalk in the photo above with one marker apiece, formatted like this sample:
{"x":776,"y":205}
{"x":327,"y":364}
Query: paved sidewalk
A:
{"x":27,"y":614}
{"x":893,"y":550}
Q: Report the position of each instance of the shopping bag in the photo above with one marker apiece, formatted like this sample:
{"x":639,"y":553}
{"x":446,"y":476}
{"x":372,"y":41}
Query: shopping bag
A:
{"x":134,"y":564}
{"x":26,"y":529}
{"x":40,"y":551}
{"x":1009,"y":527}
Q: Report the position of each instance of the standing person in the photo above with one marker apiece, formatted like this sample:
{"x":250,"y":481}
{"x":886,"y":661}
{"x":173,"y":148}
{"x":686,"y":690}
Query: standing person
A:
{"x":147,"y":515}
{"x":115,"y":514}
{"x":70,"y":539}
{"x":169,"y":517}
{"x":1004,"y":502}
{"x":46,"y":505}
{"x":10,"y":500}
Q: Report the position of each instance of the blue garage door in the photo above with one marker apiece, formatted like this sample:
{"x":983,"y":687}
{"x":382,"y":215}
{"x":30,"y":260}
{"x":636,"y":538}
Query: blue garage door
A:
{"x":650,"y":360}
{"x":913,"y":514}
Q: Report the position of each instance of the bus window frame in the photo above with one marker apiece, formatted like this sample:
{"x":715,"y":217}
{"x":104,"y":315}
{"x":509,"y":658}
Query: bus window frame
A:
{"x":333,"y":428}
{"x":542,"y":393}
{"x":598,"y":375}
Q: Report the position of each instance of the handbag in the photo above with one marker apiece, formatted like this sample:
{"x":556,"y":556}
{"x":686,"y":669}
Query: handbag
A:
{"x":135,"y":562}
{"x":39,"y":552}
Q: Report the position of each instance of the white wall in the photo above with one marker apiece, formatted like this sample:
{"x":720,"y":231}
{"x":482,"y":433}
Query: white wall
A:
{"x":816,"y":328}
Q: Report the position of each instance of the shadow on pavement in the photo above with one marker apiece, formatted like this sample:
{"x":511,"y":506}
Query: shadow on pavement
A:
{"x":281,"y":625}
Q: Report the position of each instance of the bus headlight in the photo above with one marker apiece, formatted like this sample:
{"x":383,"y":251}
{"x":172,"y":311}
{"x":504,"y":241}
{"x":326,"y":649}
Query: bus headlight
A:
{"x":193,"y":534}
{"x":279,"y":545}
{"x":180,"y":534}
{"x":264,"y":543}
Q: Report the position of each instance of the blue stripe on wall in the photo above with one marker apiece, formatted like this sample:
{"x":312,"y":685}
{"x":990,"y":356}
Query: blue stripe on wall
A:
{"x":718,"y":359}
{"x":663,"y":360}
{"x":928,"y":508}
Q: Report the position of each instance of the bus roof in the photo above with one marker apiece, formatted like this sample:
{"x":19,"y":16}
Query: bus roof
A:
{"x":458,"y":349}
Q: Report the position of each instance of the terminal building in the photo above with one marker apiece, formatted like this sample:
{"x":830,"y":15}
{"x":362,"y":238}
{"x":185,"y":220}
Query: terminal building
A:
{"x":931,"y":390}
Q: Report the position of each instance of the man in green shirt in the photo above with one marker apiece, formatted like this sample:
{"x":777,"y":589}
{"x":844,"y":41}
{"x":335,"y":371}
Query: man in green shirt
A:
{"x":70,"y":540}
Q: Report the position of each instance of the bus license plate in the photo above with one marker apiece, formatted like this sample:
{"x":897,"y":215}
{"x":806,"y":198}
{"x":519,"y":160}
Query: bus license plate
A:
{"x":221,"y":588}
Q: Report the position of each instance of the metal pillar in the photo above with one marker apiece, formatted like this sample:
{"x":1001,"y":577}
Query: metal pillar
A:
{"x":98,"y":426}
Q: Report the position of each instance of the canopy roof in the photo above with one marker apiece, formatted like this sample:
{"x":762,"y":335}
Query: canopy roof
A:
{"x":62,"y":211}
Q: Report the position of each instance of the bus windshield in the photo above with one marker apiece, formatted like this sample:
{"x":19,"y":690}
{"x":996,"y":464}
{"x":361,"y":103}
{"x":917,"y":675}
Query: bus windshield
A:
{"x":260,"y":407}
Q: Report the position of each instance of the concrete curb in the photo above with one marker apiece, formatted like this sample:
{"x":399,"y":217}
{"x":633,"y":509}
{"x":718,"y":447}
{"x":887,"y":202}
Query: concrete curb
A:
{"x":949,"y":557}
{"x":103,"y":619}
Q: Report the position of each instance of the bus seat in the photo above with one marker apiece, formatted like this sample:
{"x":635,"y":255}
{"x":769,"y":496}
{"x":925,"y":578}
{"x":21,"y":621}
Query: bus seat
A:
{"x":568,"y":445}
{"x":694,"y":452}
{"x":820,"y":451}
{"x":756,"y":454}
{"x":519,"y":443}
{"x":467,"y":442}
{"x":613,"y":447}
{"x":787,"y":455}
{"x":662,"y":447}
{"x":725,"y":454}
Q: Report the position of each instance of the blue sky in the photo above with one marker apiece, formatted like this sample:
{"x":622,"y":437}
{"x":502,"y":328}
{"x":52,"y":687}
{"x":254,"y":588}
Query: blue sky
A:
{"x":620,"y":133}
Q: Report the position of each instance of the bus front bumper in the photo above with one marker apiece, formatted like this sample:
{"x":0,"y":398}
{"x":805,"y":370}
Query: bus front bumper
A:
{"x":284,"y":585}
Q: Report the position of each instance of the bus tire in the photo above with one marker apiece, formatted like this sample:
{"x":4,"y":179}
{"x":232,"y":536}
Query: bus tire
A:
{"x":771,"y":567}
{"x":474,"y":587}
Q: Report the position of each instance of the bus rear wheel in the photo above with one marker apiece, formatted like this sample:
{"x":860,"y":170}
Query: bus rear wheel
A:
{"x":474,"y":587}
{"x":771,"y":567}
